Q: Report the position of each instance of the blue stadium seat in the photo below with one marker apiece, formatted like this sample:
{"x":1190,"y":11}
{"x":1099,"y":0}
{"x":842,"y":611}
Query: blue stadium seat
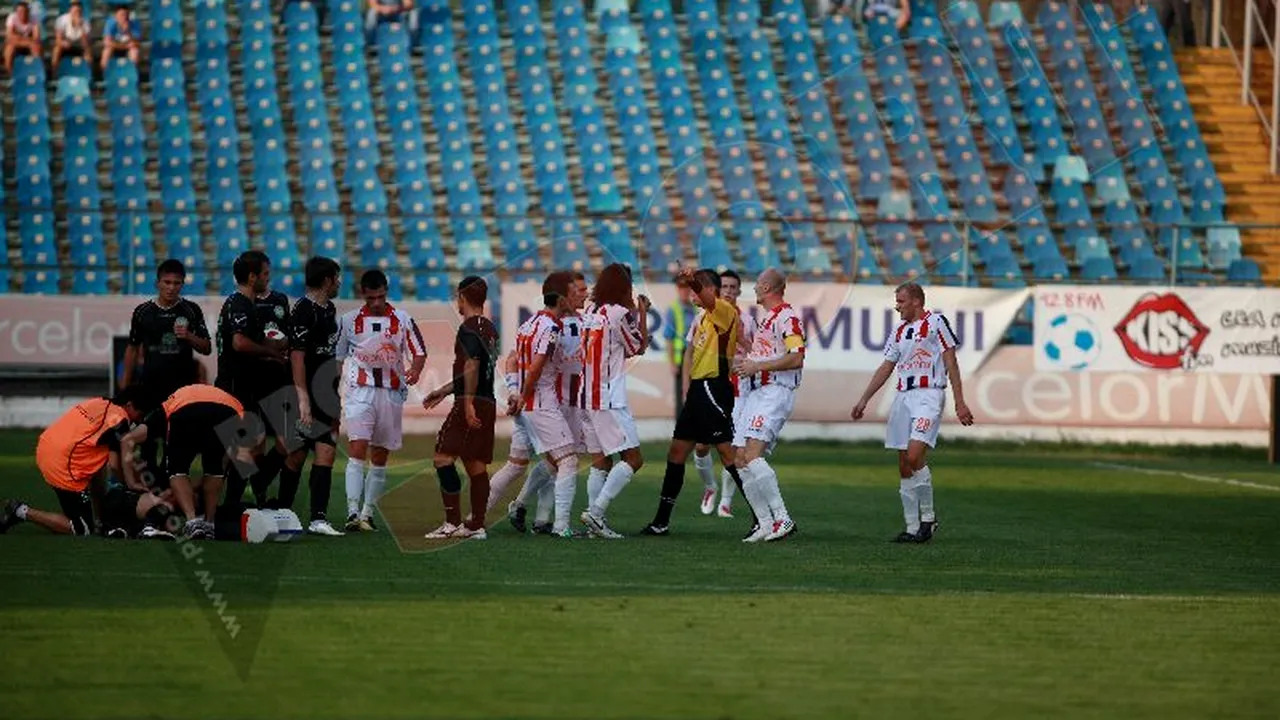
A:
{"x":177,"y":186}
{"x":1039,"y":102}
{"x":781,"y":162}
{"x":270,"y":159}
{"x":757,"y":245}
{"x":1147,"y":269}
{"x":1244,"y":271}
{"x":1051,"y":269}
{"x":326,"y":232}
{"x":1099,"y":269}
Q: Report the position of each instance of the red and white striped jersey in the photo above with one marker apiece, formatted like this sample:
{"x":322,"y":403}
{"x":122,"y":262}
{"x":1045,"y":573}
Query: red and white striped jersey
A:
{"x":570,"y":359}
{"x":778,"y":332}
{"x":916,"y":348}
{"x":540,"y":335}
{"x":375,"y":347}
{"x":611,"y":335}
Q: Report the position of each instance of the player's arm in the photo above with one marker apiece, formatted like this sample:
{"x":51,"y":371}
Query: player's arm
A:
{"x":687,"y":365}
{"x":299,"y":335}
{"x":531,"y":377}
{"x":511,"y":378}
{"x":904,"y":14}
{"x":198,"y":333}
{"x":635,"y":337}
{"x":792,"y":359}
{"x":242,"y":343}
{"x":133,"y":351}
{"x":132,"y":355}
{"x":128,"y":443}
{"x":544,"y":346}
{"x":947,"y":339}
{"x":470,"y":383}
{"x":878,"y":379}
{"x":705,"y":294}
{"x":892,"y":354}
{"x":418,"y":352}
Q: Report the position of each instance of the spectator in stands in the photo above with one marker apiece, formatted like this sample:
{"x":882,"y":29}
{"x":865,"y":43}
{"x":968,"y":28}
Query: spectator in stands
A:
{"x":381,"y":11}
{"x":899,"y":10}
{"x":21,"y":34}
{"x":1171,"y":11}
{"x":71,"y":35}
{"x":120,"y":35}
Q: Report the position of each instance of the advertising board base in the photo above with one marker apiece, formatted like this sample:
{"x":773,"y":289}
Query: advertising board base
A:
{"x":38,"y":413}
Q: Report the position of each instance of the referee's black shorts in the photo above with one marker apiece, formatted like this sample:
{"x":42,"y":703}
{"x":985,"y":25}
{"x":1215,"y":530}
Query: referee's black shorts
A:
{"x":707,"y":414}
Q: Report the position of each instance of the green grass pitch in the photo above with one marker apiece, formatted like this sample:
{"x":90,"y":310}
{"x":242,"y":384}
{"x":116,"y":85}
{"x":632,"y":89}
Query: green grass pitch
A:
{"x":1057,"y":586}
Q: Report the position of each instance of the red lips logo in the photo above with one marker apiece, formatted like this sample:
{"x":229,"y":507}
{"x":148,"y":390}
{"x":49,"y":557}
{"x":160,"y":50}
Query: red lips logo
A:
{"x":1159,"y":330}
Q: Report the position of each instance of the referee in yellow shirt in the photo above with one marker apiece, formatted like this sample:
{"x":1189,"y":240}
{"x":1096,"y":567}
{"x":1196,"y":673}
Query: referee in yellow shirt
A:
{"x":707,"y":414}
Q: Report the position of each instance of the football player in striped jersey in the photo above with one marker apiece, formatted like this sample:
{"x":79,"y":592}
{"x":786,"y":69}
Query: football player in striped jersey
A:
{"x":923,"y":351}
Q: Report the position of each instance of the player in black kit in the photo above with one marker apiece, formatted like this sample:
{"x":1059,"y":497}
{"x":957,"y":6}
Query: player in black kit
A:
{"x":277,"y":400}
{"x":164,"y":336}
{"x":251,"y":354}
{"x":313,"y":335}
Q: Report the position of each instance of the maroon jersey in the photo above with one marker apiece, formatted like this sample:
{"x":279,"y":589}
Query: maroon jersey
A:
{"x":477,"y":340}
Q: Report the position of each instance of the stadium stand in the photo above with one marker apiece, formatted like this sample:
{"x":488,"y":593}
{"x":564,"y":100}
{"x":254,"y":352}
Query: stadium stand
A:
{"x":522,"y":135}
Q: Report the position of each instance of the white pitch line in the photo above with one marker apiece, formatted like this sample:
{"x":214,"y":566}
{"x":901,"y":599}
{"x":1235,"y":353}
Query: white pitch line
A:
{"x":661,"y":587}
{"x":1212,"y":479}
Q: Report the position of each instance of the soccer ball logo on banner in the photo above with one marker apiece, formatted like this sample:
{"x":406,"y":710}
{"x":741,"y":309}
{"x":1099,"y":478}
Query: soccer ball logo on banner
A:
{"x":1072,"y":342}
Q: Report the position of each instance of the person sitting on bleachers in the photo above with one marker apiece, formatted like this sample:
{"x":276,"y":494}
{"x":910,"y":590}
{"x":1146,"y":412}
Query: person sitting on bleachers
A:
{"x":21,"y":34}
{"x":899,"y":10}
{"x":381,"y":11}
{"x":71,"y":35}
{"x":120,"y":35}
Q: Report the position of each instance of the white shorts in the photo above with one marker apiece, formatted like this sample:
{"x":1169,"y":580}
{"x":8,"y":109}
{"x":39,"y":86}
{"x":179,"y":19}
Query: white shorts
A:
{"x":915,"y":415}
{"x":739,"y":402}
{"x":573,"y":416}
{"x":543,"y":431}
{"x":764,"y":411}
{"x":610,"y":431}
{"x":375,"y":415}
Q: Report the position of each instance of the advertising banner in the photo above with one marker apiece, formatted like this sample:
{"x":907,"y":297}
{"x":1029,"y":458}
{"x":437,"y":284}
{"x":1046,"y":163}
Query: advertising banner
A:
{"x":846,"y":328}
{"x":1011,"y":388}
{"x":1144,"y":329}
{"x":79,"y":331}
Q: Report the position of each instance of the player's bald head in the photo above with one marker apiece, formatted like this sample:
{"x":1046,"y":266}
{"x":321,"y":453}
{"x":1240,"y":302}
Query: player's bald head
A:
{"x":773,"y":280}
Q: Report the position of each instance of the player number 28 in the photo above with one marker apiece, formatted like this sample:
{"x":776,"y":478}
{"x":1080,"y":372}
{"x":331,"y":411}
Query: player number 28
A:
{"x":922,"y":424}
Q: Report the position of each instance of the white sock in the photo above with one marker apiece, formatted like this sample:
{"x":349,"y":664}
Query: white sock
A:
{"x":595,"y":481}
{"x":501,"y":480}
{"x":706,"y":470}
{"x":546,"y":503}
{"x":753,"y":488}
{"x":566,"y":489}
{"x":355,"y":485}
{"x":373,"y":486}
{"x":924,"y":492}
{"x":618,"y":478}
{"x":761,"y":469}
{"x":910,"y":505}
{"x":727,"y":488}
{"x":539,"y":476}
